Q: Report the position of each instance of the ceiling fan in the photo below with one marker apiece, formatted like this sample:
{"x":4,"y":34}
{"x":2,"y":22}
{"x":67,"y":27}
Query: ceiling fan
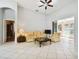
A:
{"x":46,"y":3}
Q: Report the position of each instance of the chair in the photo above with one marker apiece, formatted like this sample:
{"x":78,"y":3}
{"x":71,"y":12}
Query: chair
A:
{"x":55,"y":37}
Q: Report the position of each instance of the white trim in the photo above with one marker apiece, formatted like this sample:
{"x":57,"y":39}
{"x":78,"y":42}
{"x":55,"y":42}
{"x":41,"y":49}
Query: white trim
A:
{"x":9,"y":19}
{"x":1,"y":22}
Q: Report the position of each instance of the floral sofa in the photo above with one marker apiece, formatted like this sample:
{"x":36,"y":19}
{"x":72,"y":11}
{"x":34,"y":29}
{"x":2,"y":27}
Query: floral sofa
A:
{"x":30,"y":36}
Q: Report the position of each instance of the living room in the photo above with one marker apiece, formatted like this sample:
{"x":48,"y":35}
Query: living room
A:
{"x":33,"y":31}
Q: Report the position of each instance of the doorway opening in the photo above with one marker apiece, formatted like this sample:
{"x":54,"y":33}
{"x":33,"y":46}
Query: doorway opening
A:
{"x":66,"y":27}
{"x":10,"y":34}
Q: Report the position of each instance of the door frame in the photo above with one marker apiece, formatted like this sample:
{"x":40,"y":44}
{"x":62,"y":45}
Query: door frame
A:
{"x":4,"y":28}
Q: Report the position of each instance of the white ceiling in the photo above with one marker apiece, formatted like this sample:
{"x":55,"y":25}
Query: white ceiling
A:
{"x":33,"y":5}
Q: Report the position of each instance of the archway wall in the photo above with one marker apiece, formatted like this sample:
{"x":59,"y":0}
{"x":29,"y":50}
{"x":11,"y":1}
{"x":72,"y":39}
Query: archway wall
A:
{"x":8,"y":4}
{"x":8,"y":11}
{"x":9,"y":14}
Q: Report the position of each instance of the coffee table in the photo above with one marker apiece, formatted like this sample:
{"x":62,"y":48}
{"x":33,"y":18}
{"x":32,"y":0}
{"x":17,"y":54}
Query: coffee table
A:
{"x":42,"y":39}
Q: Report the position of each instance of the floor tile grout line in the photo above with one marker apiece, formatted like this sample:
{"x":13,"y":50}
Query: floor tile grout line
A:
{"x":47,"y":52}
{"x":64,"y":52}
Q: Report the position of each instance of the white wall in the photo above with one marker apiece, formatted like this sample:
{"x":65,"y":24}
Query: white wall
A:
{"x":1,"y":13}
{"x":9,"y":13}
{"x":30,"y":21}
{"x":66,"y":12}
{"x":8,"y":3}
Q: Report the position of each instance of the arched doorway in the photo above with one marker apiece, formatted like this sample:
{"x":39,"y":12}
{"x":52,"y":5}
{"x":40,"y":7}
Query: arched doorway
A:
{"x":7,"y":24}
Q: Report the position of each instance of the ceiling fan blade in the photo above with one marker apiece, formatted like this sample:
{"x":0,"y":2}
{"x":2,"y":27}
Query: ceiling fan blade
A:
{"x":41,"y":5}
{"x":49,"y":1}
{"x":50,"y":5}
{"x":42,"y":2}
{"x":45,"y":7}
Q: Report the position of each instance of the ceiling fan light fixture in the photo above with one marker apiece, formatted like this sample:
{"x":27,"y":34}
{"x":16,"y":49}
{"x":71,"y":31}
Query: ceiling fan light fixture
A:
{"x":49,"y":1}
{"x":42,"y":1}
{"x":50,"y":5}
{"x":45,"y":7}
{"x":46,"y":3}
{"x":41,"y":5}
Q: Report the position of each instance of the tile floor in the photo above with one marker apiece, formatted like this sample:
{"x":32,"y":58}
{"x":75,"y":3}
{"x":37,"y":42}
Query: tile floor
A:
{"x":59,"y":50}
